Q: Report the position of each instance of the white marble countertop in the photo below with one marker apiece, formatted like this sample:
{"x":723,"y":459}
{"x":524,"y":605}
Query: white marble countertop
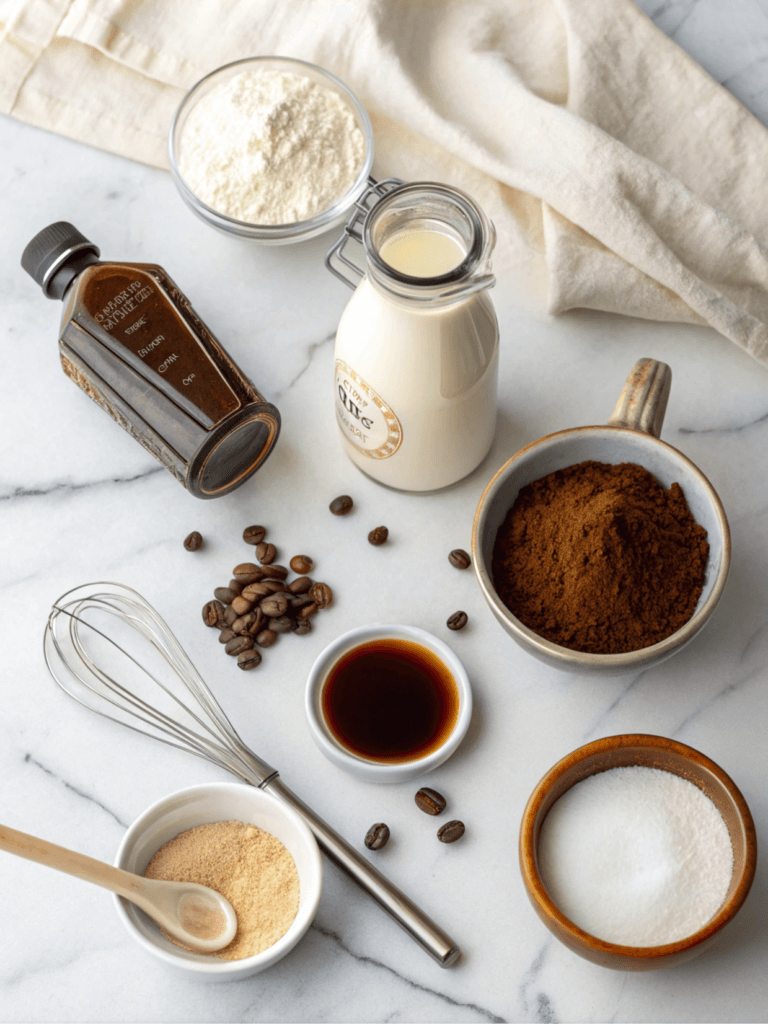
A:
{"x":80,"y":500}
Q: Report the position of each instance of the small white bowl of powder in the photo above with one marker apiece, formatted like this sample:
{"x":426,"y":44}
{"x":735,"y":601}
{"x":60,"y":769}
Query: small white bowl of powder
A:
{"x":245,"y":844}
{"x":271,"y":148}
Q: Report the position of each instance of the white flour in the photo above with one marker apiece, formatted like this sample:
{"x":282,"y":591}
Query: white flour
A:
{"x":268,"y":147}
{"x":636,"y":856}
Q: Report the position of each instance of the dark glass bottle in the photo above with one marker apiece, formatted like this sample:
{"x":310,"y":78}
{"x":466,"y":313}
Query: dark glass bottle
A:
{"x":130,"y":339}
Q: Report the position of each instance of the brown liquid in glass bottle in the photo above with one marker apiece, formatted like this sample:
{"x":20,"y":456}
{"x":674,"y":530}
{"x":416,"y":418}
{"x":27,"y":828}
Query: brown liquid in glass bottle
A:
{"x":130,"y":339}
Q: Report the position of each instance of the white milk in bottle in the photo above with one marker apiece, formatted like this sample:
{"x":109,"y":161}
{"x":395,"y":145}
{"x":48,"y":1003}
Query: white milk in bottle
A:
{"x":417,"y":346}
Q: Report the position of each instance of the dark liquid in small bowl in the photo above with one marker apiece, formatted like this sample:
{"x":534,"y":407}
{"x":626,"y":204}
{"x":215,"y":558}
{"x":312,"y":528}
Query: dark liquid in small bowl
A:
{"x":390,"y":701}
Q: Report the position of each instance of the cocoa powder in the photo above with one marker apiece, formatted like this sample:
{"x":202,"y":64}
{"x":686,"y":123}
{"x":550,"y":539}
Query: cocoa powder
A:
{"x":600,"y":558}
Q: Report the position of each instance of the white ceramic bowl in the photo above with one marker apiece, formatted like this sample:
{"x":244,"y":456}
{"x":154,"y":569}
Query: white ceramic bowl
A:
{"x":271,"y":234}
{"x":373,"y":771}
{"x":199,"y":805}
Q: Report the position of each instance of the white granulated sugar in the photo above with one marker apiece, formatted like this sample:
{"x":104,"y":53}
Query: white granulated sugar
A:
{"x":268,"y":147}
{"x":636,"y":856}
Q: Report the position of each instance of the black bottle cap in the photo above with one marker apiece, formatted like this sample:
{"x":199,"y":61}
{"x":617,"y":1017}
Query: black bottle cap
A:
{"x":56,"y":255}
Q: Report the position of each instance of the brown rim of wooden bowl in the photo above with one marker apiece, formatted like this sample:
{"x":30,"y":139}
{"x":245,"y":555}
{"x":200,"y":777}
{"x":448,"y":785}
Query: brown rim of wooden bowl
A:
{"x":652,"y":752}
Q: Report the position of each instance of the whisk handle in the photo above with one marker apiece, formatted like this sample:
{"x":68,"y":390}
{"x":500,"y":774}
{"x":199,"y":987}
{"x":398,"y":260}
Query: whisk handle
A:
{"x":410,"y":917}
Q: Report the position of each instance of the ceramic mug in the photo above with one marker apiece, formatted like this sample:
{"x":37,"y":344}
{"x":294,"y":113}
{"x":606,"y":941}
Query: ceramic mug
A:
{"x":631,"y":435}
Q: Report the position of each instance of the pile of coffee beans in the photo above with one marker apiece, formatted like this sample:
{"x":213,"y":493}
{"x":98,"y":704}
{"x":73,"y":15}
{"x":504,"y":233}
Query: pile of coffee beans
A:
{"x":259,"y":603}
{"x":429,"y":801}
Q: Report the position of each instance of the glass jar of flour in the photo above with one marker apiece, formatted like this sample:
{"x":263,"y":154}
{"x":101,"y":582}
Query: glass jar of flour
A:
{"x":416,"y":354}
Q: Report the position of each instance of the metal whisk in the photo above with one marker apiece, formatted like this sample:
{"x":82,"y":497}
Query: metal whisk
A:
{"x":182,"y":712}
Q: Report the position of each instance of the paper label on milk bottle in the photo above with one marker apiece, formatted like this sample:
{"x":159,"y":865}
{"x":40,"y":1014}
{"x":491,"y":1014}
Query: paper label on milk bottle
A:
{"x":365,"y":419}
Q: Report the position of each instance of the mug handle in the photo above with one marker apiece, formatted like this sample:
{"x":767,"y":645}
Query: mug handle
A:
{"x":643,"y":401}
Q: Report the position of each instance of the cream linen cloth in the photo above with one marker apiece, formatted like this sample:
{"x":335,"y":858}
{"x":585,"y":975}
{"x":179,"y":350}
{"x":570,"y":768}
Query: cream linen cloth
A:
{"x":619,"y":175}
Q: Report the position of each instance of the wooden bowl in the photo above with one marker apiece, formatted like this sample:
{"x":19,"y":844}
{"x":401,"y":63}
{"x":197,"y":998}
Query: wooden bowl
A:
{"x":648,"y":752}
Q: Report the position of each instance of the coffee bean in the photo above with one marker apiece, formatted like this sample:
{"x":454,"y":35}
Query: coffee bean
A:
{"x":378,"y":536}
{"x":259,"y":621}
{"x":244,"y":623}
{"x":301,"y":626}
{"x":342,"y":505}
{"x":321,"y":594}
{"x":281,"y":625}
{"x":275,"y":586}
{"x":230,"y":615}
{"x":213,"y":613}
{"x":224,"y":594}
{"x":308,"y":610}
{"x":254,"y":534}
{"x":247,"y":572}
{"x":194,"y":541}
{"x":457,"y":621}
{"x":266,"y":637}
{"x":450,"y":831}
{"x":274,"y":606}
{"x":266,"y":552}
{"x":430,"y":801}
{"x":238,"y":645}
{"x":273,"y":572}
{"x":255,"y":591}
{"x":242,"y":605}
{"x":459,"y":559}
{"x":300,"y":585}
{"x":226,"y":634}
{"x":248,"y":659}
{"x":302,"y":564}
{"x":296,"y":601}
{"x":377,"y":836}
{"x":236,"y":587}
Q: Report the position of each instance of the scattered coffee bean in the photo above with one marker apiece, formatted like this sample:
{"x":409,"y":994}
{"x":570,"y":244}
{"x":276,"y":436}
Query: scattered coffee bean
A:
{"x":238,"y":645}
{"x":281,"y":625}
{"x":254,"y":534}
{"x":459,"y":559}
{"x":255,"y":591}
{"x":213,"y":613}
{"x":225,"y":595}
{"x":321,"y":594}
{"x":430,"y":801}
{"x":341,"y":505}
{"x":273,"y":572}
{"x":450,"y":831}
{"x":274,"y":606}
{"x":378,"y":536}
{"x":308,"y":610}
{"x":457,"y":621}
{"x":266,"y":552}
{"x":300,"y":585}
{"x":297,"y":601}
{"x":236,"y":587}
{"x":266,"y":637}
{"x":230,"y":616}
{"x":248,"y":659}
{"x":302,"y":564}
{"x":242,"y":605}
{"x":301,"y":626}
{"x":247,"y":572}
{"x":377,"y":836}
{"x":194,"y":541}
{"x":244,"y":623}
{"x":226,"y":634}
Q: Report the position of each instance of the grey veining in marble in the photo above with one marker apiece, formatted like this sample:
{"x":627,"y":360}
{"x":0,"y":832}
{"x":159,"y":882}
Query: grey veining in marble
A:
{"x":80,"y":500}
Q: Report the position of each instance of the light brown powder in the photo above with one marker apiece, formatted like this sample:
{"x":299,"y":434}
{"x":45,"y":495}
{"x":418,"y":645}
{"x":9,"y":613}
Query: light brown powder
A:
{"x":248,"y":866}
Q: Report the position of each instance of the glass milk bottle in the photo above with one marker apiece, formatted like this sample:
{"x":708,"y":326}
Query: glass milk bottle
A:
{"x":416,"y":355}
